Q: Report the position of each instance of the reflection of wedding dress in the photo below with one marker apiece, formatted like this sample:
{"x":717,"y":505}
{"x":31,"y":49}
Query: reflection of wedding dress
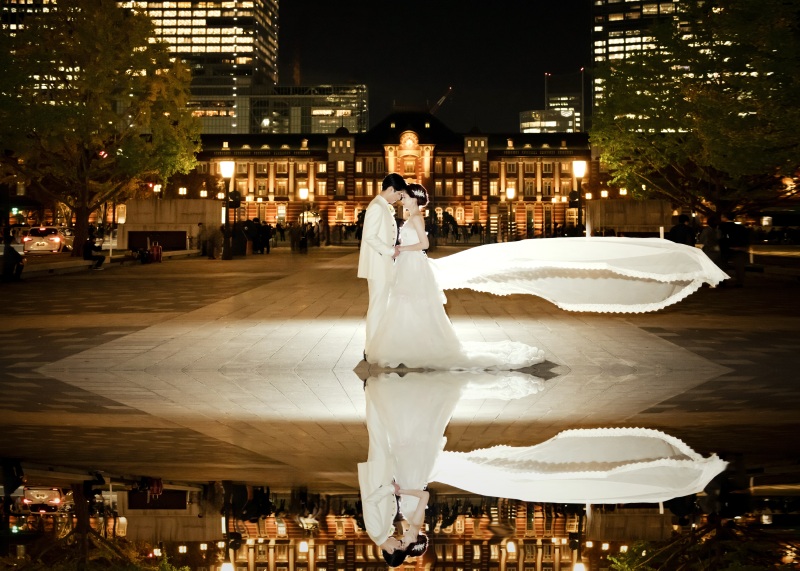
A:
{"x":604,"y":465}
{"x":407,"y":417}
{"x":622,"y":275}
{"x":416,"y":332}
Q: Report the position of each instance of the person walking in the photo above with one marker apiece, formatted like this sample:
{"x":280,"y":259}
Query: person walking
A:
{"x":378,"y":250}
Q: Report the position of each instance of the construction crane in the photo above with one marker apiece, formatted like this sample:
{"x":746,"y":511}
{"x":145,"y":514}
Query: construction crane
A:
{"x":439,"y":103}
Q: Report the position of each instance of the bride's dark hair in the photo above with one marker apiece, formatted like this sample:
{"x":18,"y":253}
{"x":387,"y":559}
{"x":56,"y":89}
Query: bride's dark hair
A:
{"x":418,"y":192}
{"x":416,"y":549}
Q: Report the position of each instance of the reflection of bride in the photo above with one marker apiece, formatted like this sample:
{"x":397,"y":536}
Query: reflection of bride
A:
{"x":415,"y":330}
{"x":602,"y":465}
{"x":406,"y":420}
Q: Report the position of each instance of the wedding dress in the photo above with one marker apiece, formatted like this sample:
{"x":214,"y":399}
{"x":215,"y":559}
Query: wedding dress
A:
{"x":597,"y":274}
{"x":407,"y":416}
{"x":416,"y":332}
{"x":584,"y":466}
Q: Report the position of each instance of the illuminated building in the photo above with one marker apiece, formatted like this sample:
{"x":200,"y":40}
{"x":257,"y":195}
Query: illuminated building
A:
{"x":514,"y":185}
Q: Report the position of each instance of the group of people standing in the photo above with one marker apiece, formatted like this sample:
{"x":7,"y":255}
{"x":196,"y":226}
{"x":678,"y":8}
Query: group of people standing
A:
{"x":723,"y":240}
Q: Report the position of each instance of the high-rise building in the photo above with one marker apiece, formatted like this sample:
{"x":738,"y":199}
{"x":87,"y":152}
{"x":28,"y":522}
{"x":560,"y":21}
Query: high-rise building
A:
{"x":564,"y":120}
{"x":621,"y":28}
{"x":282,"y":109}
{"x":226,"y":42}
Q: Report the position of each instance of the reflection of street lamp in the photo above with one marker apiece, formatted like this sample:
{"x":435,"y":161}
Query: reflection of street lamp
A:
{"x":579,"y":170}
{"x":226,"y":169}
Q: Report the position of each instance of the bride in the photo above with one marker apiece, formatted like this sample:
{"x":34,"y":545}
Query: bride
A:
{"x":415,"y":331}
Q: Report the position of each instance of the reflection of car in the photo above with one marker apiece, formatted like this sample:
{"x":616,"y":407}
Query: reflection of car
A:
{"x":47,"y":239}
{"x":41,"y":499}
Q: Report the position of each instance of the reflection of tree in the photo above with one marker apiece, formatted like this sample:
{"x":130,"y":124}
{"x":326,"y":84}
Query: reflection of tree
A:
{"x":719,"y":545}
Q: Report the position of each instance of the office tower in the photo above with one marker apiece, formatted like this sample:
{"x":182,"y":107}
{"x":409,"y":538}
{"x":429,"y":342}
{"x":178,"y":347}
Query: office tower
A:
{"x":230,"y":43}
{"x":621,"y":28}
{"x":282,"y":109}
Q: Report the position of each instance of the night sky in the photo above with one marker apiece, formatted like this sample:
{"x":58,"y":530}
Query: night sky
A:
{"x":493,"y":54}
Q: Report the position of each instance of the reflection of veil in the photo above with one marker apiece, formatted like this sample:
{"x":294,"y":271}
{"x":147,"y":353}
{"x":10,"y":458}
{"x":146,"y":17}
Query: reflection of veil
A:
{"x":407,"y":416}
{"x":626,"y":275}
{"x":603,"y":465}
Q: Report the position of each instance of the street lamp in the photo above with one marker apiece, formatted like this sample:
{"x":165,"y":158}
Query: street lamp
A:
{"x":511,"y":192}
{"x":579,"y":170}
{"x":302,"y":193}
{"x":226,"y":169}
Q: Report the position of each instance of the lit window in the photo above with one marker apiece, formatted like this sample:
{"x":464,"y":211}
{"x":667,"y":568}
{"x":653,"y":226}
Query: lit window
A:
{"x":339,"y":166}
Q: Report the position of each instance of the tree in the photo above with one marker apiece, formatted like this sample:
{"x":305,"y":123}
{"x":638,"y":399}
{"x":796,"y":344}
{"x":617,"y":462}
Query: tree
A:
{"x":722,"y":545}
{"x":707,"y":117}
{"x":91,"y":107}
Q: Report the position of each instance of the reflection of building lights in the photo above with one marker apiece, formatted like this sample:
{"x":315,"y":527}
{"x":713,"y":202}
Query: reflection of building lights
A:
{"x":590,"y":544}
{"x":303,"y":547}
{"x":181,"y":549}
{"x":604,"y":547}
{"x":579,"y":567}
{"x":204,"y":547}
{"x":220,"y":544}
{"x":603,"y":194}
{"x":588,"y":196}
{"x":511,"y":547}
{"x":555,"y":540}
{"x":623,"y":191}
{"x":227,"y":566}
{"x":623,"y":548}
{"x":157,"y":552}
{"x":563,"y":541}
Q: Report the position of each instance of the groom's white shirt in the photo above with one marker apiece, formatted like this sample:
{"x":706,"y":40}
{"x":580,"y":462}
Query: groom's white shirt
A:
{"x":378,"y":238}
{"x":375,"y":262}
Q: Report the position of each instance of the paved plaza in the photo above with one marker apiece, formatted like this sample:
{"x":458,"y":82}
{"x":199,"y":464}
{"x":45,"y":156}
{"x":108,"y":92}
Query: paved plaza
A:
{"x":250,"y":370}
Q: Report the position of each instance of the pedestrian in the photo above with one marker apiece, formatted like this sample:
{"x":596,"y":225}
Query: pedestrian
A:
{"x":733,"y":245}
{"x":90,"y":249}
{"x":709,"y":238}
{"x":281,"y":231}
{"x":682,"y":232}
{"x":13,"y":261}
{"x":265,"y":231}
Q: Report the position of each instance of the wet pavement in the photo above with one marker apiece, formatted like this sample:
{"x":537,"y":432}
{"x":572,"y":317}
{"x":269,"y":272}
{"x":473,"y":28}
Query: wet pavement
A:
{"x":250,"y":370}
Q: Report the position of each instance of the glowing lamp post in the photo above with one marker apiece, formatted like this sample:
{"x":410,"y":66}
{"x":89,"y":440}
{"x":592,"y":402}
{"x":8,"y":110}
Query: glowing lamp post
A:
{"x":579,"y":171}
{"x":226,"y":169}
{"x":510,"y":233}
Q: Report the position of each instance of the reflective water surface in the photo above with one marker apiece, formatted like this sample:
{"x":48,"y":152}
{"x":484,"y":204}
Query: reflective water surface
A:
{"x":250,"y":371}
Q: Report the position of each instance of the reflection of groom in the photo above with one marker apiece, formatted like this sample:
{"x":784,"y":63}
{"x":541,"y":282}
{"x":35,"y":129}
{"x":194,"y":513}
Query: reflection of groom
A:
{"x":378,"y":250}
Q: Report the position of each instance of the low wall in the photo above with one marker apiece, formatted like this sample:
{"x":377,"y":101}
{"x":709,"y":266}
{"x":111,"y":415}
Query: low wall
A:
{"x":172,"y":223}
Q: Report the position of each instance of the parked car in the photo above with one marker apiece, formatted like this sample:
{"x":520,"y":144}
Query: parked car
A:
{"x":48,"y":239}
{"x":43,"y":499}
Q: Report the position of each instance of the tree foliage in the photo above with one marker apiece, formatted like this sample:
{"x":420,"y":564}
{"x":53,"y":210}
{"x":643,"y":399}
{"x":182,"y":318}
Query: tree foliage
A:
{"x":718,"y":545}
{"x":706,"y":116}
{"x":91,"y":107}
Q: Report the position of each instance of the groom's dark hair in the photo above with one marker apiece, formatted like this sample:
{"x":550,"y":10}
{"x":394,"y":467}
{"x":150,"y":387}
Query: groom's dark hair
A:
{"x":394,"y":180}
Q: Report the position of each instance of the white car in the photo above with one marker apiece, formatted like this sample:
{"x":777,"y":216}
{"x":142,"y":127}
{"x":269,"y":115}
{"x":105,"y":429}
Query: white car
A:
{"x":48,"y":239}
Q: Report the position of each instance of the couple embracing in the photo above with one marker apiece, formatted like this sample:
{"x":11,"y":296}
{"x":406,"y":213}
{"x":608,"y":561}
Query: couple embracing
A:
{"x":406,"y":324}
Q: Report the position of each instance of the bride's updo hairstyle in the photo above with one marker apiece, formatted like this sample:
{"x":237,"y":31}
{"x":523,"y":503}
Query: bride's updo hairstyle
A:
{"x":416,"y":549}
{"x":418,"y":192}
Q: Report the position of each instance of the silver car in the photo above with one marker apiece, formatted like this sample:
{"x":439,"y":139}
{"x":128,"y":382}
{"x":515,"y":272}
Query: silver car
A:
{"x":47,"y":239}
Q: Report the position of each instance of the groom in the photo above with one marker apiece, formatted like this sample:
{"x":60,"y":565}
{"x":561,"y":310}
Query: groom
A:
{"x":378,"y":250}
